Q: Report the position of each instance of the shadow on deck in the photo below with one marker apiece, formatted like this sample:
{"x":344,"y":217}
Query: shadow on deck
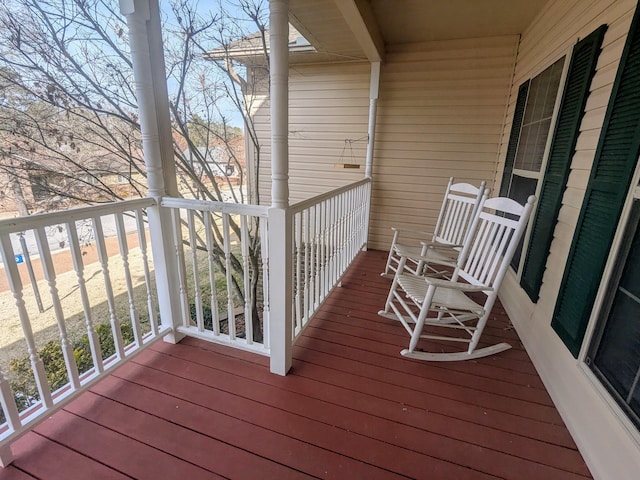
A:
{"x":351,"y":408}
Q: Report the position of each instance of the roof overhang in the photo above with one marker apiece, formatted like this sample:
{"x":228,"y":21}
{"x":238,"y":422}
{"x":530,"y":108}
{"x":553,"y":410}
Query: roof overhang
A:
{"x":364,"y":29}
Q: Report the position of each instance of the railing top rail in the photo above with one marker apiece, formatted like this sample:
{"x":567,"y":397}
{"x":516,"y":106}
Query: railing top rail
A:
{"x":300,"y":206}
{"x":20,"y":224}
{"x":220,"y":207}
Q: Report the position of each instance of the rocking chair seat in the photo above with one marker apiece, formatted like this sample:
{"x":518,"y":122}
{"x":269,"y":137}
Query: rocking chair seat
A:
{"x":444,"y":255}
{"x":448,"y":294}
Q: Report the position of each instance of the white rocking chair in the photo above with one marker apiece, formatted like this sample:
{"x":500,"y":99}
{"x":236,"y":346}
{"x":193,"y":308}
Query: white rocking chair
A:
{"x":482,"y":263}
{"x":459,"y":208}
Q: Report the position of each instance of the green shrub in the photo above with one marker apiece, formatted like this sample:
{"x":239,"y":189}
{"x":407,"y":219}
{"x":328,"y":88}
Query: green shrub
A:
{"x":21,"y":376}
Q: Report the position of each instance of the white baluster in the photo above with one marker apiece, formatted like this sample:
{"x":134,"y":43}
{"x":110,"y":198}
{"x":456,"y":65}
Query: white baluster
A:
{"x":124,"y":255}
{"x":297,"y":229}
{"x":142,"y":241}
{"x":103,"y":258}
{"x":15,"y":285}
{"x":231,"y":317}
{"x":333,"y":235}
{"x":264,"y":251}
{"x":313,"y":242}
{"x":50,"y":275}
{"x":215,"y":317}
{"x":248,"y":290}
{"x":193,"y":242}
{"x":182,"y":277}
{"x":307,"y":244}
{"x":8,"y":403}
{"x":78,"y":265}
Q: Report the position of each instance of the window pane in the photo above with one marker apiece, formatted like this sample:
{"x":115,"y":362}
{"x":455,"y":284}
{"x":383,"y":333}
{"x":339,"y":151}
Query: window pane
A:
{"x":521,"y":188}
{"x":616,"y":357}
{"x":537,"y":118}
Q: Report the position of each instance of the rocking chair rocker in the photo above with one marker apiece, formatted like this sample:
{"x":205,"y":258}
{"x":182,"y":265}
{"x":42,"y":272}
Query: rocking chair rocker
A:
{"x":461,"y":203}
{"x":482,"y":263}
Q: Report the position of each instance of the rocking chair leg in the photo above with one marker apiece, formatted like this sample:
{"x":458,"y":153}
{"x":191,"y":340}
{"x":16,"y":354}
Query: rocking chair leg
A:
{"x":394,"y":285}
{"x":417,"y":330}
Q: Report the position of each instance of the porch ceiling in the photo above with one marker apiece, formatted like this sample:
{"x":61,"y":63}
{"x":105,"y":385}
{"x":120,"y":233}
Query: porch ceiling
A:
{"x":391,"y":22}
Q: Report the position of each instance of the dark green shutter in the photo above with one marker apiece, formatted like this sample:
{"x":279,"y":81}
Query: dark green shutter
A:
{"x":611,"y":173}
{"x":514,"y":136}
{"x":579,"y":76}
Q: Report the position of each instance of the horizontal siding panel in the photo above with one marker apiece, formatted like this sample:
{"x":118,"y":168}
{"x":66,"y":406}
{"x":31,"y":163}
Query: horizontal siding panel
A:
{"x":462,"y":53}
{"x":598,"y":98}
{"x":443,"y":137}
{"x":493,"y":73}
{"x":447,"y":66}
{"x":443,"y":86}
{"x":435,"y":129}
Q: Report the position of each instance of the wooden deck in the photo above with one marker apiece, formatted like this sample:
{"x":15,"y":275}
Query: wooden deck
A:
{"x":352,"y":408}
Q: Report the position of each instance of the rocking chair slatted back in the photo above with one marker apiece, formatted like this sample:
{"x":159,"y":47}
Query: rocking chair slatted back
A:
{"x":485,"y":258}
{"x":459,"y":208}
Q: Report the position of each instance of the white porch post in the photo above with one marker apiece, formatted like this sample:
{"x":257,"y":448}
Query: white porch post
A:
{"x":145,"y":37}
{"x":374,"y":88}
{"x":280,"y":241}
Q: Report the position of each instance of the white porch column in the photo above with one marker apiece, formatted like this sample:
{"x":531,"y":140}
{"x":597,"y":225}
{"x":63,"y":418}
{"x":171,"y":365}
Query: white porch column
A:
{"x":374,"y":88}
{"x":145,"y":37}
{"x":280,"y":238}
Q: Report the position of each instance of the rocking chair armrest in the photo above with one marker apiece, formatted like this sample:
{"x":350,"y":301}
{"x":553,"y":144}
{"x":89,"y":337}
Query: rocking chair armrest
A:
{"x":442,"y":246}
{"x":465,"y":287}
{"x":410,"y":230}
{"x":426,"y":258}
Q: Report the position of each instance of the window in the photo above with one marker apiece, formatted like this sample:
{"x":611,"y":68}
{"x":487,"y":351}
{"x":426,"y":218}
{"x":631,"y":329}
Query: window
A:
{"x":532,"y":140}
{"x":614,"y":354}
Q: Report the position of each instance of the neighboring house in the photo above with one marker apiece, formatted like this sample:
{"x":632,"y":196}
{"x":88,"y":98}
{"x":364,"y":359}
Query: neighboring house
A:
{"x":44,"y":184}
{"x":224,"y":161}
{"x":534,"y":97}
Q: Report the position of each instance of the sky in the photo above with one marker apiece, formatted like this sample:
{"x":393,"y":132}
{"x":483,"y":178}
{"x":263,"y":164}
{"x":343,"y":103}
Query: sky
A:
{"x":205,"y":7}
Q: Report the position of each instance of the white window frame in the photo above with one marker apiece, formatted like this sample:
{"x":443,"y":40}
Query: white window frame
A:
{"x":539,"y":176}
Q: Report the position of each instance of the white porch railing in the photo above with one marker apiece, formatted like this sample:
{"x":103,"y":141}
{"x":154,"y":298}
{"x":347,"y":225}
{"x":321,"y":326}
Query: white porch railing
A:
{"x":100,"y":289}
{"x":223,"y":274}
{"x":113,"y":295}
{"x":328,"y":232}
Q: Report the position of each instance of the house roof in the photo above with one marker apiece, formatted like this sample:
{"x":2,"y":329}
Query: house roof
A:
{"x":250,"y":47}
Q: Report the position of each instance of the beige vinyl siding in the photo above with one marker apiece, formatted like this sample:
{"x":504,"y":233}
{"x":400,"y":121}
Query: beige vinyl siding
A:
{"x":610,"y":448}
{"x":328,"y":117}
{"x":440,"y":114}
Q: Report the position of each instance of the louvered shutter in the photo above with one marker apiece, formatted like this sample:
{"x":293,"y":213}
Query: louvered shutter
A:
{"x":514,"y":136}
{"x":579,"y":75}
{"x":611,"y":173}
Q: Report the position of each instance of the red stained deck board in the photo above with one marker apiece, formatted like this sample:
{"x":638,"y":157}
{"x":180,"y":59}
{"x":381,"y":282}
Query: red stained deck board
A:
{"x":312,"y":368}
{"x":112,"y":448}
{"x":349,"y":396}
{"x":176,"y":438}
{"x":400,"y":372}
{"x":393,"y":343}
{"x":46,"y":459}
{"x":235,"y":431}
{"x":12,"y":473}
{"x":324,"y":425}
{"x":527,"y":439}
